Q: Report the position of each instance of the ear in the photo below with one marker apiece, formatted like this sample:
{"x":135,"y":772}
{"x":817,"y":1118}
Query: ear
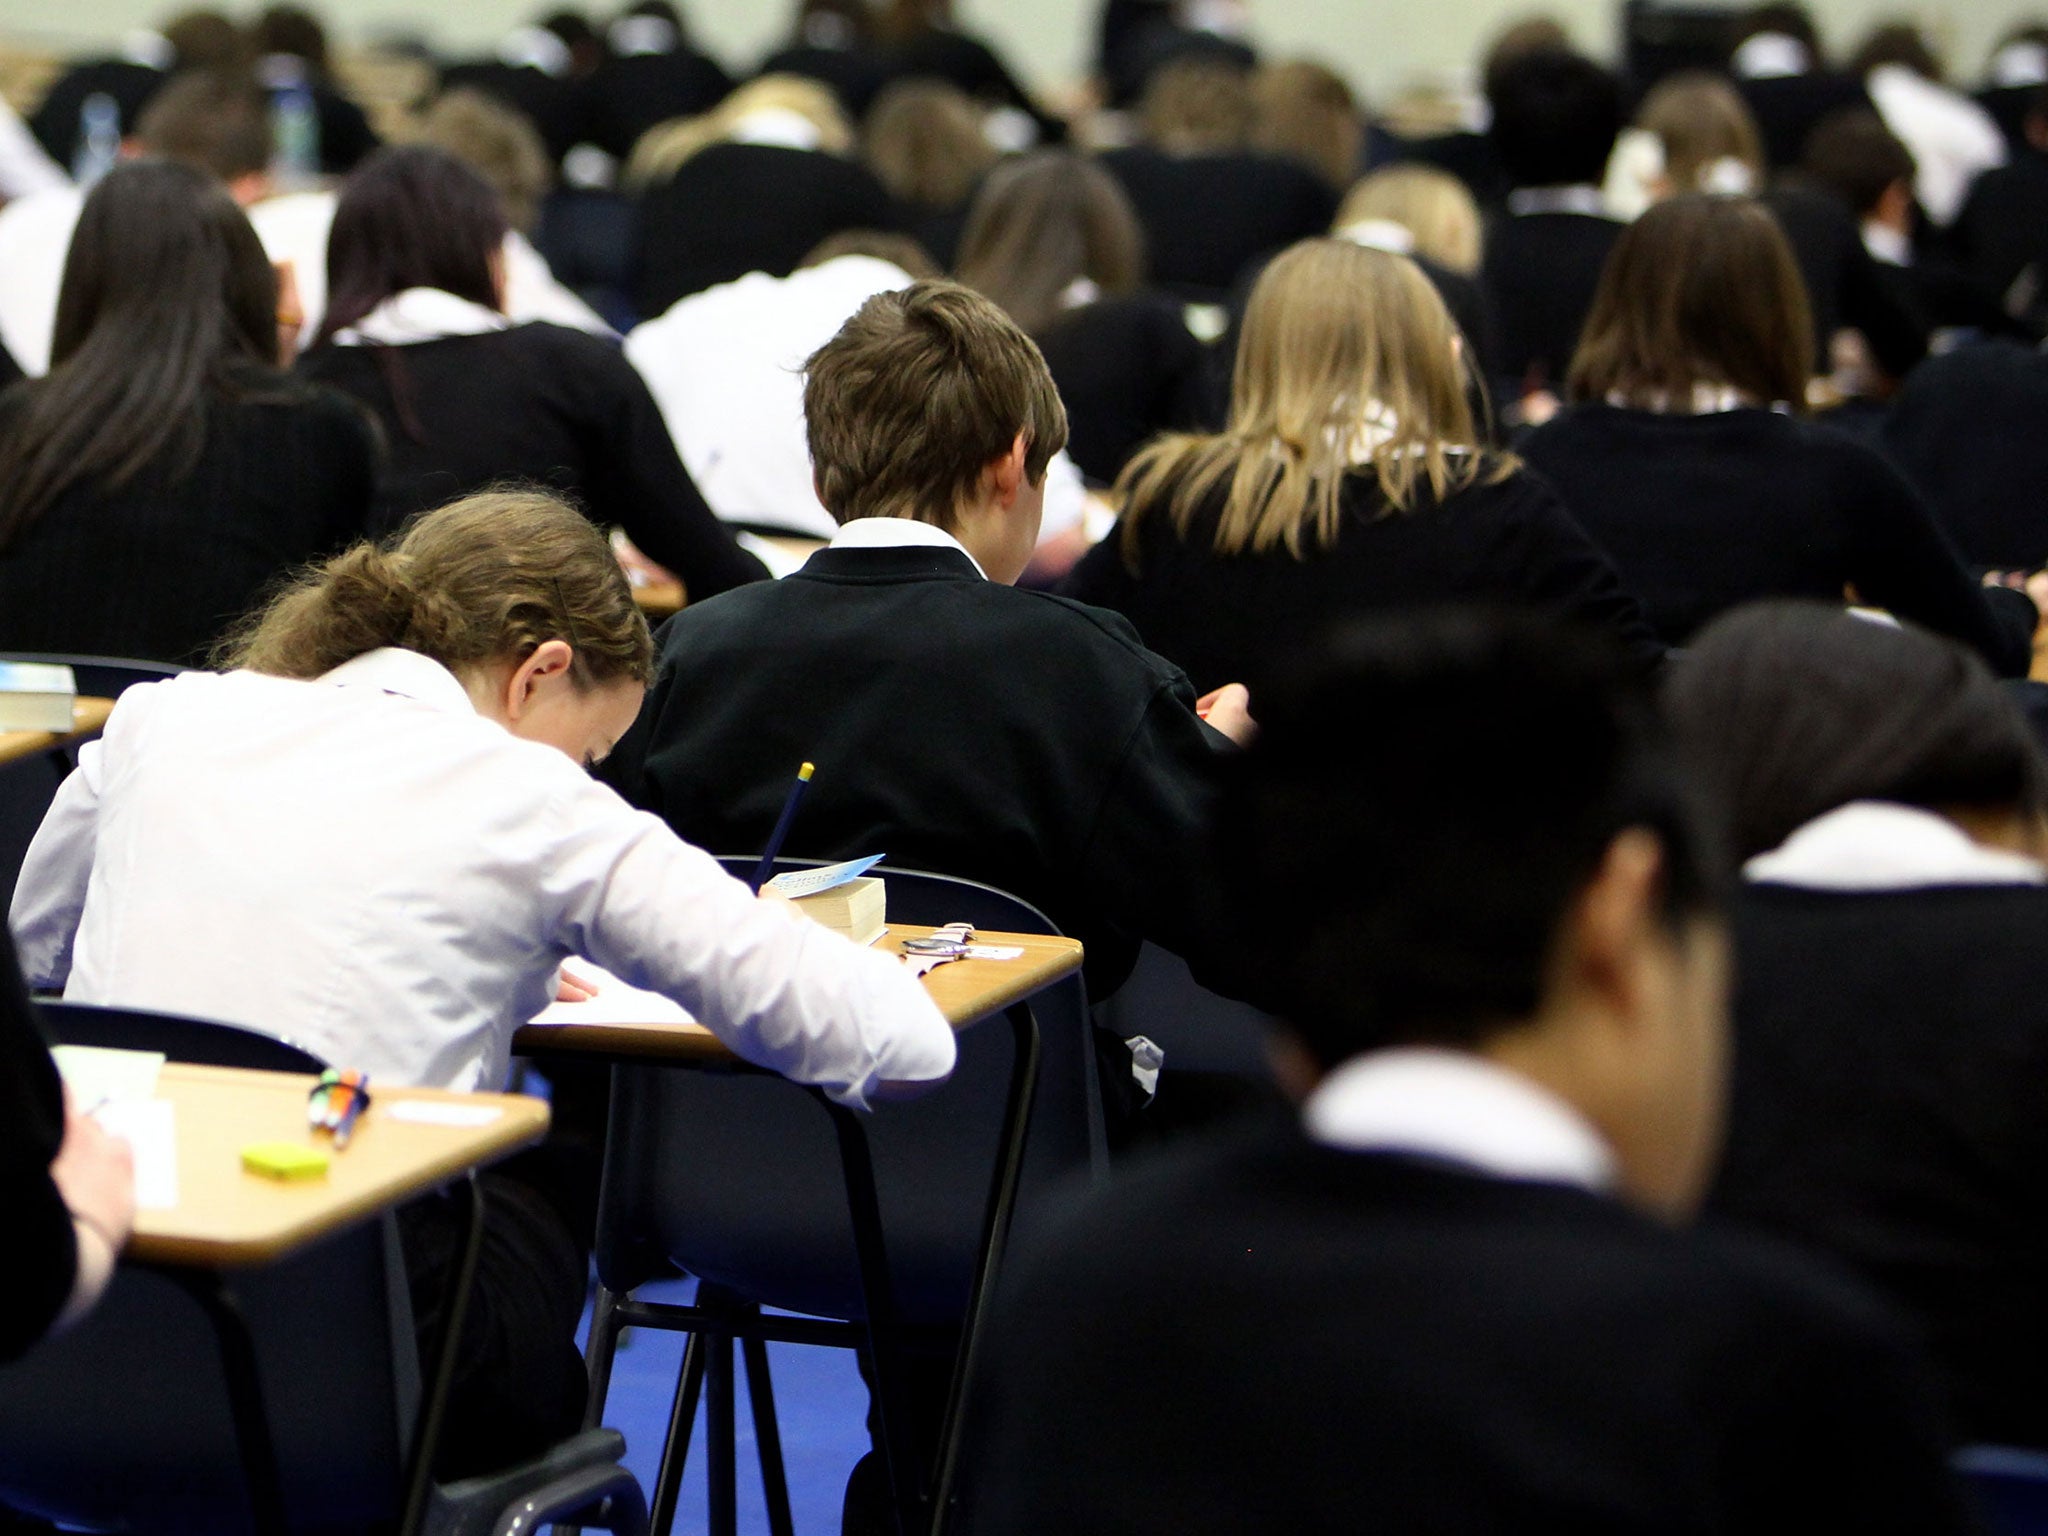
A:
{"x":550,"y":661}
{"x":1615,"y":917}
{"x":1006,"y":474}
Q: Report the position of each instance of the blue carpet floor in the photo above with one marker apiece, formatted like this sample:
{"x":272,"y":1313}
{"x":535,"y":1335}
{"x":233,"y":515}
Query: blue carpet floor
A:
{"x":821,"y":1405}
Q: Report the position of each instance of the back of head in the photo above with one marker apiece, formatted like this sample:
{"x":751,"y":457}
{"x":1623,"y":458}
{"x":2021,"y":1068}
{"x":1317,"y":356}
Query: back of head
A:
{"x":1555,"y":117}
{"x":1897,"y":43}
{"x":1428,"y":797}
{"x":411,"y":216}
{"x":1700,"y":292}
{"x":923,"y":139}
{"x":207,"y":40}
{"x":1709,"y":136}
{"x":218,"y":122}
{"x":167,"y":295}
{"x":1517,"y":40}
{"x":1778,"y":19}
{"x":1347,"y":360}
{"x":1853,"y":155}
{"x":918,"y":393}
{"x":483,"y":580}
{"x":1434,"y":207}
{"x":1305,"y":111}
{"x":1040,"y":224}
{"x":900,"y":251}
{"x":839,"y":25}
{"x":1197,"y":105}
{"x":806,"y":107}
{"x":500,"y":144}
{"x":1790,"y":710}
{"x":294,"y":31}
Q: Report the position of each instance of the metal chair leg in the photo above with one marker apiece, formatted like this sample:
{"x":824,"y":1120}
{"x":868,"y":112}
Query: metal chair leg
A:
{"x":668,"y":1481}
{"x":599,"y":1353}
{"x":720,"y":1434}
{"x":767,"y":1437}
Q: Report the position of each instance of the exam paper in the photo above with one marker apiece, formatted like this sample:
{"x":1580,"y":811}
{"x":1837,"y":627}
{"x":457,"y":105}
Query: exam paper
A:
{"x":95,"y":1073}
{"x":616,"y":1002}
{"x":150,"y":1127}
{"x":438,"y":1112}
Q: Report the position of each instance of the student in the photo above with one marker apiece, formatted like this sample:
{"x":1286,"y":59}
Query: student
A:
{"x":1458,"y":1294}
{"x":1952,"y":139}
{"x":291,"y":49}
{"x":927,"y":142}
{"x":1053,"y":239}
{"x":166,"y":471}
{"x":1348,"y":480}
{"x":416,"y":331}
{"x":1890,"y":1091}
{"x":833,"y":42}
{"x":376,"y":836}
{"x":923,"y":38}
{"x":957,"y":724}
{"x":1966,"y":431}
{"x":1686,"y":456}
{"x":1305,"y":111}
{"x":1692,"y":133}
{"x":67,"y":1186}
{"x":1784,"y":77}
{"x":1555,"y":117}
{"x":650,"y":74}
{"x":2002,"y":232}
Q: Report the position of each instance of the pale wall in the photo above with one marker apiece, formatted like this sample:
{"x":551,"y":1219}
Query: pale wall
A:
{"x":1380,"y":44}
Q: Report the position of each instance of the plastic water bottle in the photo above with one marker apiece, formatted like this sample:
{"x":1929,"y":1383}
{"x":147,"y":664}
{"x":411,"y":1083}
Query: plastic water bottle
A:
{"x":99,"y":139}
{"x":295,"y":138}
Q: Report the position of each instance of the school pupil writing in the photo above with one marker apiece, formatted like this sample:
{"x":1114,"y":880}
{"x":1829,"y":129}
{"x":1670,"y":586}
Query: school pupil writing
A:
{"x":375,"y":835}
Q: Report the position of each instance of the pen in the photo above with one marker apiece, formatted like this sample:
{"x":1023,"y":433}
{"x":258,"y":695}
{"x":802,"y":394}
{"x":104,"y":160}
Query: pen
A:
{"x":796,"y":793}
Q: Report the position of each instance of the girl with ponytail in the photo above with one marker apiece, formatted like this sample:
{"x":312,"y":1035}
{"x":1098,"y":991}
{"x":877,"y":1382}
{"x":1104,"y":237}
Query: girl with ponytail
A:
{"x":375,"y":836}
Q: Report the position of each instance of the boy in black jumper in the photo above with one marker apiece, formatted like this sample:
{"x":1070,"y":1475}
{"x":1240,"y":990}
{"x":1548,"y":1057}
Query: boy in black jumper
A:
{"x":958,"y":724}
{"x":1451,"y":1299}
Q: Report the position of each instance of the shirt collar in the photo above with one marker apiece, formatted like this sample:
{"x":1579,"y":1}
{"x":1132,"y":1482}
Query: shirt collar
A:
{"x":1888,"y":245}
{"x":406,"y":673}
{"x":1876,"y":846}
{"x":897,"y":533}
{"x":421,"y":314}
{"x":1461,"y":1108}
{"x":1583,"y":197}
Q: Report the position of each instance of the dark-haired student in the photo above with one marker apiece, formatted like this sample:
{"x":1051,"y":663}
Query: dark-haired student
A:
{"x":1555,"y":119}
{"x":1687,"y":457}
{"x":1785,"y":79}
{"x":1458,"y":1295}
{"x":67,"y":1186}
{"x":1890,"y":1098}
{"x":651,"y":73}
{"x":416,"y":330}
{"x":1348,"y":480}
{"x":165,"y":470}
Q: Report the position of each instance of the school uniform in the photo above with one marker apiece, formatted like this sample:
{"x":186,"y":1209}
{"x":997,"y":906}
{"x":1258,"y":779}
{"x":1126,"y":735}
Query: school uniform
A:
{"x":628,"y":94}
{"x":2002,"y":232}
{"x":1240,"y":618}
{"x":1127,"y":369}
{"x":550,"y":102}
{"x":1703,"y":512}
{"x":1207,"y":216}
{"x":468,"y":400}
{"x":37,"y":1280}
{"x":1542,"y":264}
{"x":1789,"y":107}
{"x":161,"y":567}
{"x":1844,"y":286}
{"x":1424,"y":1310}
{"x":855,"y":74}
{"x":1888,"y":1106}
{"x":957,"y":725}
{"x":1966,"y":430}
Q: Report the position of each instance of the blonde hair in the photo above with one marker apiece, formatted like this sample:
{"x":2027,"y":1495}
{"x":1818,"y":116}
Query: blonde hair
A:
{"x":1433,"y":206}
{"x":1348,"y":360}
{"x":485,"y":579}
{"x":1701,"y":120}
{"x":1305,"y":111}
{"x":1197,"y":106}
{"x":923,"y":139}
{"x":666,"y":147}
{"x":499,"y":144}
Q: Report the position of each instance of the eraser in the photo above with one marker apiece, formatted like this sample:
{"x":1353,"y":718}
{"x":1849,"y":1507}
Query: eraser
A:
{"x":284,"y":1160}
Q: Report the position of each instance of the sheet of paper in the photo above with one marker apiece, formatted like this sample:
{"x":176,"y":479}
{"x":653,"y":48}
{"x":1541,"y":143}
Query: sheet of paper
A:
{"x":615,"y":1003}
{"x":150,"y":1127}
{"x":808,"y":882}
{"x":437,"y":1112}
{"x":95,"y":1073}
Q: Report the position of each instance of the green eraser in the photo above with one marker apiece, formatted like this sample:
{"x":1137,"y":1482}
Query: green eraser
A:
{"x":284,"y":1160}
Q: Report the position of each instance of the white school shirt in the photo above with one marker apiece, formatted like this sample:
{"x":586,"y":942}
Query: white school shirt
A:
{"x":1953,"y":139}
{"x":1876,"y":845}
{"x":366,"y":866}
{"x":1428,"y":1102}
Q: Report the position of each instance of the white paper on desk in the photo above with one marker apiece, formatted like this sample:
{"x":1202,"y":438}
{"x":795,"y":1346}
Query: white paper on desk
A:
{"x":441,"y":1112}
{"x":94,"y":1073}
{"x":150,"y":1127}
{"x":615,"y":1003}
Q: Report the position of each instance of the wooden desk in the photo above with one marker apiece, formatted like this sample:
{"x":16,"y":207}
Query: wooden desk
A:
{"x":227,"y":1217}
{"x":966,"y":991}
{"x":87,"y":716}
{"x":659,"y":599}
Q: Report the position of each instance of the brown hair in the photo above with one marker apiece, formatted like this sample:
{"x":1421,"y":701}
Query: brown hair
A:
{"x":485,"y":579}
{"x":1701,"y":120}
{"x":1435,"y":207}
{"x":218,"y":122}
{"x":918,"y":393}
{"x":499,"y":144}
{"x":1699,"y":291}
{"x":1341,"y":344}
{"x":1197,"y":106}
{"x":1853,"y":155}
{"x":1043,"y":222}
{"x":1897,"y":42}
{"x":1304,"y":111}
{"x":900,"y":251}
{"x":924,"y":142}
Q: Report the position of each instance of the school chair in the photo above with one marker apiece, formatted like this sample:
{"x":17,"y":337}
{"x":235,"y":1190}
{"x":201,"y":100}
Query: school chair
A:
{"x":125,"y":1423}
{"x":737,"y":1178}
{"x":2011,"y":1486}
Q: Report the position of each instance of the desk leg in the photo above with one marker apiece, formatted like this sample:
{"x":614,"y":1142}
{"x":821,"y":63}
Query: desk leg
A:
{"x":245,"y":1394}
{"x":1002,"y":1202}
{"x":434,"y":1407}
{"x":907,"y":1483}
